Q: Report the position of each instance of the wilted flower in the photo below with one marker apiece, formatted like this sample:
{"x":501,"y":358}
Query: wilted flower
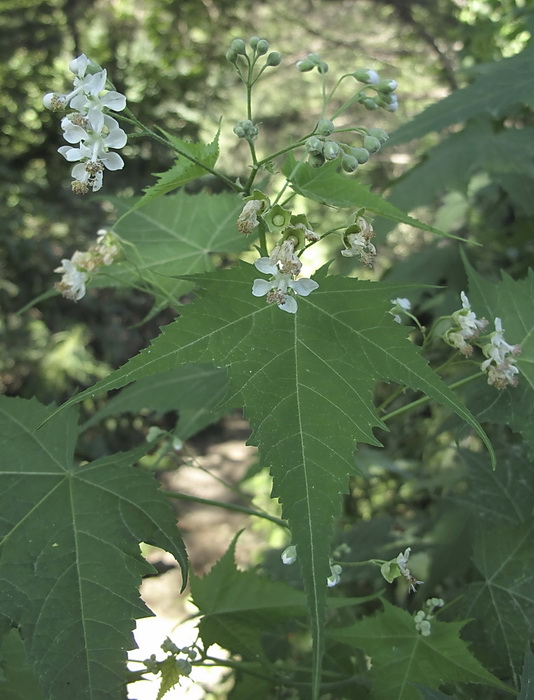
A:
{"x":466,"y":327}
{"x":72,"y":284}
{"x":500,"y":366}
{"x":402,"y":563}
{"x":248,"y":220}
{"x":358,"y":244}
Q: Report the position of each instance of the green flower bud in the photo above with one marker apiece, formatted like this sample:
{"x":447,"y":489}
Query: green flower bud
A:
{"x":239,"y":131}
{"x":274,"y":58}
{"x":316,"y":160}
{"x":367,"y":76}
{"x":262,"y":47}
{"x":331,"y":150}
{"x":253,"y":41}
{"x":238,"y":46}
{"x":386,"y":85}
{"x":231,"y":56}
{"x":314,"y":145}
{"x":322,"y":67}
{"x":369,"y":103}
{"x":361,"y":154}
{"x":245,"y":129}
{"x":324,"y":127}
{"x":314,"y":58}
{"x":379,"y":134}
{"x":349,"y":163}
{"x":183,"y":667}
{"x":305,"y":65}
{"x":372,"y":144}
{"x":386,"y":99}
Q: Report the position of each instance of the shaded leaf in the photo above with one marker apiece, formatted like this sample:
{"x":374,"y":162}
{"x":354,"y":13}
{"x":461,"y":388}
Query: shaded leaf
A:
{"x":499,"y":86}
{"x":70,"y":564}
{"x":401,"y":657}
{"x":17,"y":681}
{"x":194,"y":390}
{"x":527,"y":677}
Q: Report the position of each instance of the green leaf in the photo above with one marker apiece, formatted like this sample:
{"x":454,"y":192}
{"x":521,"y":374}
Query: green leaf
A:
{"x":500,"y":85}
{"x":238,"y":606}
{"x":70,"y":564}
{"x":513,"y":302}
{"x":177,"y":235}
{"x":306,"y":380}
{"x":17,"y":681}
{"x":429,"y":694}
{"x":527,"y":677}
{"x":328,"y":186}
{"x":183,"y":170}
{"x":194,"y":390}
{"x":401,"y":657}
{"x":170,"y":676}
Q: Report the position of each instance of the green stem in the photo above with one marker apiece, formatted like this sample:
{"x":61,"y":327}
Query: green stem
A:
{"x":228,"y":506}
{"x":426,"y":399}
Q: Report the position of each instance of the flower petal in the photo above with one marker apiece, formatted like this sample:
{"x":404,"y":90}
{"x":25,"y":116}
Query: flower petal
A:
{"x":261,"y":287}
{"x":265,"y":265}
{"x":113,"y":161}
{"x":304,"y":286}
{"x":290,"y":305}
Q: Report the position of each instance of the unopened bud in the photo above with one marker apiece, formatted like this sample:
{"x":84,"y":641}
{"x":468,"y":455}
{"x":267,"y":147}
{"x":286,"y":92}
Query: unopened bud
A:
{"x":238,"y":46}
{"x":314,"y":145}
{"x":253,"y":41}
{"x":349,"y":163}
{"x":366,"y":75}
{"x":322,"y":67}
{"x":316,"y":160}
{"x":379,"y":134}
{"x":231,"y":56}
{"x":331,"y":150}
{"x":369,"y":104}
{"x":361,"y":154}
{"x":372,"y":144}
{"x":386,"y":85}
{"x":274,"y":58}
{"x":262,"y":47}
{"x":305,"y":65}
{"x":324,"y":127}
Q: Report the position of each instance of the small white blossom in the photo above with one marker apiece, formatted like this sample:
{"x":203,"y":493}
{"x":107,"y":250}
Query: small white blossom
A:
{"x":72,"y":284}
{"x":358,"y":243}
{"x":500,"y":365}
{"x":466,"y":327}
{"x":399,"y":305}
{"x":402,"y":563}
{"x":289,"y":555}
{"x":280,"y":289}
{"x":335,"y":575}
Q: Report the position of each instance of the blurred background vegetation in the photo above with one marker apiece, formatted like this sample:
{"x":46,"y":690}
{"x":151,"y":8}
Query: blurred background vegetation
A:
{"x":167,"y":56}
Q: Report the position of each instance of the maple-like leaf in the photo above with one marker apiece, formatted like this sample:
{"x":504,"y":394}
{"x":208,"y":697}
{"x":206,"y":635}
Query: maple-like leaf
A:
{"x":306,"y":380}
{"x":401,"y":656}
{"x":70,"y":564}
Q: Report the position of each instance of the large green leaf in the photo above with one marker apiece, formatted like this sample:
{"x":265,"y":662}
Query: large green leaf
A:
{"x":499,"y":86}
{"x":501,"y":603}
{"x":513,"y":302}
{"x":17,"y":682}
{"x":401,"y":657}
{"x":172,"y":236}
{"x":194,"y":390}
{"x":328,"y":186}
{"x":306,"y":380}
{"x":70,"y":564}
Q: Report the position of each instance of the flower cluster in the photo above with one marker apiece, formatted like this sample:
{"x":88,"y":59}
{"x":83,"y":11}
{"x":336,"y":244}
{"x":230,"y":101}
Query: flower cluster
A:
{"x":466,"y":327}
{"x":282,"y":265}
{"x":289,"y":556}
{"x":90,"y":126}
{"x":500,"y":365}
{"x":402,"y":563}
{"x":357,"y":240}
{"x":384,"y":90}
{"x":322,"y":149}
{"x":77,"y":271}
{"x":422,"y":618}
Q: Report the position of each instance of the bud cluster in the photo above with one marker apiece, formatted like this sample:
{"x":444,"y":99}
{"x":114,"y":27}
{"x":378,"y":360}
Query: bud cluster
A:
{"x":238,"y":49}
{"x":312,"y":61}
{"x":180,"y":657}
{"x":423,"y":618}
{"x":322,"y":149}
{"x":90,"y":125}
{"x":77,"y":271}
{"x":384,"y":90}
{"x":246,"y":129}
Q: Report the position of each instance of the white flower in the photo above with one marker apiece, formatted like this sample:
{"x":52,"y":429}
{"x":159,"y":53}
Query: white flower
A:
{"x":358,"y":242}
{"x":466,"y":327}
{"x":283,"y":255}
{"x":281,"y":287}
{"x":402,"y":563}
{"x":500,"y":367}
{"x":335,"y":575}
{"x":72,"y":284}
{"x":400,"y":304}
{"x":289,"y":555}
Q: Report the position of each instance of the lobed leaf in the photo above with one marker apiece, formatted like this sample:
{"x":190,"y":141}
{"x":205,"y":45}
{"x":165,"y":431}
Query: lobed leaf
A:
{"x":70,"y":564}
